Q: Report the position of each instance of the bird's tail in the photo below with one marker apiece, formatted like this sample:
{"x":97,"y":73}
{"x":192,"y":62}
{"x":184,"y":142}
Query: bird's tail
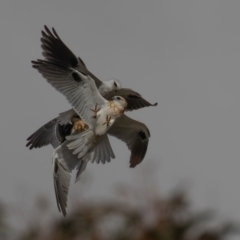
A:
{"x":100,"y":152}
{"x":80,"y":143}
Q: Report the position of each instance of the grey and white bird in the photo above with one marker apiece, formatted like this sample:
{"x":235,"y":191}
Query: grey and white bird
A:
{"x":59,"y":54}
{"x":81,"y":92}
{"x":135,"y":134}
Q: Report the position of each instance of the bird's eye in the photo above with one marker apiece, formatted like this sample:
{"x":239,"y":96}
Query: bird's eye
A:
{"x":118,"y":98}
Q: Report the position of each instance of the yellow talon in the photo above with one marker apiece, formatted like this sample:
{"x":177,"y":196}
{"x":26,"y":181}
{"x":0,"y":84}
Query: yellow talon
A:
{"x":78,"y":124}
{"x":95,"y":111}
{"x":108,"y":119}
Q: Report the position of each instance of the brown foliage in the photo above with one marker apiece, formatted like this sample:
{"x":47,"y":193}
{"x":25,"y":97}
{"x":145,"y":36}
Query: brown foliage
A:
{"x":158,"y":219}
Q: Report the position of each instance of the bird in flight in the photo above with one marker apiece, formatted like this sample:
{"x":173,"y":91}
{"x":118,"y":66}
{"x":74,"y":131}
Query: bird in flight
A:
{"x":98,"y":115}
{"x":56,"y":51}
{"x":81,"y":92}
{"x":59,"y":59}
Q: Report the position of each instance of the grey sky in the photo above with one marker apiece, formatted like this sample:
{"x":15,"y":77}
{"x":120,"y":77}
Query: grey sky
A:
{"x":183,"y":54}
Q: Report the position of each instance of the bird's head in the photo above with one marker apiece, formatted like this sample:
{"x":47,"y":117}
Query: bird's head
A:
{"x":120,"y":100}
{"x":113,"y":85}
{"x":109,"y":86}
{"x":116,"y":85}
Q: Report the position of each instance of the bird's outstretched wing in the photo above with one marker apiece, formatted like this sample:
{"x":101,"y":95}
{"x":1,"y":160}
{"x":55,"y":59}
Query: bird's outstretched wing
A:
{"x":134,"y":99}
{"x":63,"y":164}
{"x":50,"y":133}
{"x":61,"y":180}
{"x":79,"y":89}
{"x":54,"y":50}
{"x":135,"y":134}
{"x":43,"y":136}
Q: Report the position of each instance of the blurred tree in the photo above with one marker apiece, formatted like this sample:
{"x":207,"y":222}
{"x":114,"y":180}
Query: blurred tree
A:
{"x":4,"y":228}
{"x":140,"y":215}
{"x":158,"y":219}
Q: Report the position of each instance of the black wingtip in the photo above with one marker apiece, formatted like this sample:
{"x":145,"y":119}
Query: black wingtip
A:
{"x":64,"y":213}
{"x":155,"y":104}
{"x":27,"y":145}
{"x":46,"y":28}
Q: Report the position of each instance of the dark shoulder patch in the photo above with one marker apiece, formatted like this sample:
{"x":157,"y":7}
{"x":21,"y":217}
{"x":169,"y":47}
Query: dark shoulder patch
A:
{"x":74,"y":62}
{"x":133,"y":96}
{"x":55,"y":168}
{"x":76,"y":77}
{"x":64,"y":130}
{"x":142,"y":135}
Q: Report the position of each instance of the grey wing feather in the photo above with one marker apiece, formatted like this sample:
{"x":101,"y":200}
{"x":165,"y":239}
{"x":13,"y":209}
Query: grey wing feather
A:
{"x":79,"y":89}
{"x":56,"y":51}
{"x":50,"y":133}
{"x":134,"y":99}
{"x":80,"y":168}
{"x":65,"y":117}
{"x":64,"y":153}
{"x":43,"y":136}
{"x":135,"y":134}
{"x":61,"y":180}
{"x":63,"y":164}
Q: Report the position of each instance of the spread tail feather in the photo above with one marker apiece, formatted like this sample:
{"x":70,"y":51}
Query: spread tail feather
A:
{"x":101,"y":152}
{"x":80,"y":143}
